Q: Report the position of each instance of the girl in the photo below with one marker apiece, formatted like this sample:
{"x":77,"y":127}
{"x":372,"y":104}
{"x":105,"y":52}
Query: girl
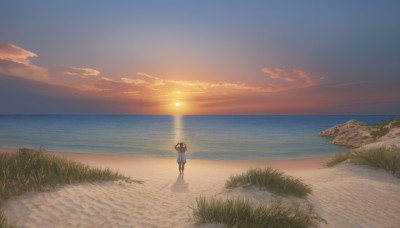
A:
{"x":181,"y":158}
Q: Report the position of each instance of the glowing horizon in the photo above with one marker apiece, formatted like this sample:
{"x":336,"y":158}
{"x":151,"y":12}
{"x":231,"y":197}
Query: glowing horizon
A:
{"x":232,"y":58}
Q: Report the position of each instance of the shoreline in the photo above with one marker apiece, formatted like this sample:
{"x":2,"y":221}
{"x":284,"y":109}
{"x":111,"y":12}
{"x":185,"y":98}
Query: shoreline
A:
{"x":111,"y":160}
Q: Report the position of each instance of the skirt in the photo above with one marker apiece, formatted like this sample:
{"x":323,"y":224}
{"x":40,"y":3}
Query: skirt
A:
{"x":181,"y":158}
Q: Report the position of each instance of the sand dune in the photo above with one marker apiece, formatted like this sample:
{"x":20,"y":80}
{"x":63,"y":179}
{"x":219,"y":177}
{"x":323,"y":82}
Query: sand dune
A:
{"x":345,"y":195}
{"x":386,"y":143}
{"x":352,"y":196}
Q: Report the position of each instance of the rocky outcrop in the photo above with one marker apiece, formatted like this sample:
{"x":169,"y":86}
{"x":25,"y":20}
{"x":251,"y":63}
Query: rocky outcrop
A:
{"x":354,"y":133}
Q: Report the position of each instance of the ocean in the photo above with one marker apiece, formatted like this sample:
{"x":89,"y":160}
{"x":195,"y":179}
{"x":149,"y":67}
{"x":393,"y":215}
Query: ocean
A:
{"x":230,"y":137}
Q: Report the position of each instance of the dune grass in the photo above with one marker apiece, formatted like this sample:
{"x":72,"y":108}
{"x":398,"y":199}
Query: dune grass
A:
{"x":381,"y":158}
{"x":272,"y":180}
{"x":239,"y":212}
{"x":379,"y":133}
{"x":338,"y":158}
{"x":3,"y":221}
{"x":382,"y":128}
{"x":32,"y":170}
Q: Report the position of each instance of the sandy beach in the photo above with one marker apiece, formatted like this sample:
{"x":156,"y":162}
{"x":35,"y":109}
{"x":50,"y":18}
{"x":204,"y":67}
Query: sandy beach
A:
{"x":260,"y":97}
{"x":345,"y":195}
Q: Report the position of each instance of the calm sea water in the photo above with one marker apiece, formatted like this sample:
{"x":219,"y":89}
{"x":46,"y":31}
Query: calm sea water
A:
{"x":208,"y":137}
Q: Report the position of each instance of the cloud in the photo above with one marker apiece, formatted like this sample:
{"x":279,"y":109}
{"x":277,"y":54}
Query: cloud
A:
{"x":31,"y":72}
{"x":154,"y":82}
{"x":282,"y":79}
{"x":15,"y":61}
{"x":82,"y":71}
{"x":273,"y":91}
{"x":14,"y":53}
{"x":31,"y":97}
{"x":150,"y":87}
{"x":134,"y":81}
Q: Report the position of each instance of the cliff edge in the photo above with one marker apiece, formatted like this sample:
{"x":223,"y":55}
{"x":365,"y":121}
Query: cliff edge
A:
{"x":354,"y":133}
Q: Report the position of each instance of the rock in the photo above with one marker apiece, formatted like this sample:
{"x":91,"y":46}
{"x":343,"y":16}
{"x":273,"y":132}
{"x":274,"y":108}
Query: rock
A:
{"x":354,"y":133}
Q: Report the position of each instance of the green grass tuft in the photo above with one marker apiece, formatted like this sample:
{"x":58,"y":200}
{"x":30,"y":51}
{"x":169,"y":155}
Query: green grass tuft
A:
{"x":380,"y":132}
{"x":395,"y":122}
{"x":3,"y":221}
{"x":381,"y":129}
{"x":31,"y":170}
{"x":272,"y":180}
{"x":338,"y":158}
{"x":382,"y":158}
{"x":244,"y":213}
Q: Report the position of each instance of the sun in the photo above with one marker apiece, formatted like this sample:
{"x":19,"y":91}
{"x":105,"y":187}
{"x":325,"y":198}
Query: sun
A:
{"x":178,"y":104}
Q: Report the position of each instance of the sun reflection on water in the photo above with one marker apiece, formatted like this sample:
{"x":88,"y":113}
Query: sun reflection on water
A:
{"x":178,"y":128}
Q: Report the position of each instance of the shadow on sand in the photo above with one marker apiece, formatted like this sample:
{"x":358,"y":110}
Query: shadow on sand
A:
{"x":180,"y":185}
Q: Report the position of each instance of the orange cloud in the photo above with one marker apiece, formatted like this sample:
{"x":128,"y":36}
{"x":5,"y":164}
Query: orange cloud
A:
{"x":14,"y":61}
{"x":146,"y":86}
{"x":155,"y":93}
{"x":198,"y":86}
{"x":14,"y":53}
{"x":82,"y":71}
{"x":134,"y":81}
{"x":282,"y":79}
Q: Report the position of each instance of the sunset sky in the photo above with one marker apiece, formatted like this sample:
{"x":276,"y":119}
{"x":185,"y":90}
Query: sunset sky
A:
{"x":214,"y":57}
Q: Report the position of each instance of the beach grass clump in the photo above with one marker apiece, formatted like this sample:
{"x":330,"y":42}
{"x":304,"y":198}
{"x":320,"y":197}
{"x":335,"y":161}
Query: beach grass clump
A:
{"x":3,"y":221}
{"x":379,"y":133}
{"x":394,"y":122}
{"x":381,"y":129}
{"x":272,"y":180}
{"x":31,"y":170}
{"x":338,"y":158}
{"x":381,"y":158}
{"x":239,"y":212}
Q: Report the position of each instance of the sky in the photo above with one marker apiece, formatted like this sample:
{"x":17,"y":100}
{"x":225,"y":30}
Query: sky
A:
{"x":211,"y":57}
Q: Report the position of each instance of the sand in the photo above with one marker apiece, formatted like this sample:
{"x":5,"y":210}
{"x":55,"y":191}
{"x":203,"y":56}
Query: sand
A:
{"x":386,"y":143}
{"x":345,"y":195}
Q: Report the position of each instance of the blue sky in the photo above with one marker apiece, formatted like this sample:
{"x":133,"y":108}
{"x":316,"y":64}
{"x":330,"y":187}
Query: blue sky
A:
{"x":214,"y":56}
